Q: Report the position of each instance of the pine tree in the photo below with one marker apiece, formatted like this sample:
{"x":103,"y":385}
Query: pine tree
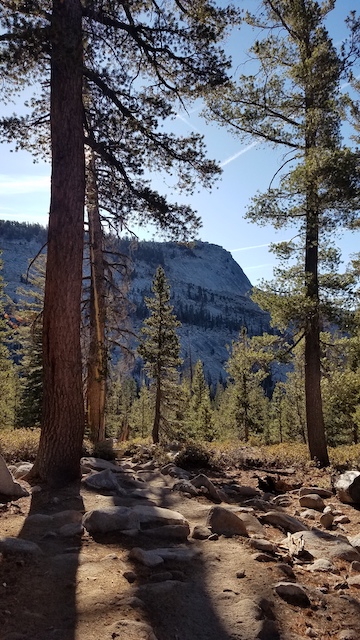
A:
{"x":200,"y":414}
{"x":160,"y":350}
{"x":248,"y":368}
{"x":293,"y":101}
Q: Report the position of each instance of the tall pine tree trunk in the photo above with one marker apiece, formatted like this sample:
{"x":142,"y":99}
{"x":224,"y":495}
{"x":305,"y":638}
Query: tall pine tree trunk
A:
{"x":96,"y":370}
{"x":156,"y":424}
{"x":314,"y":410}
{"x":63,"y":406}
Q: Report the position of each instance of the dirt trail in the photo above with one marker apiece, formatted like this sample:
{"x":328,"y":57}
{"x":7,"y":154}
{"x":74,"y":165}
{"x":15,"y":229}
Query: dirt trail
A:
{"x":87,"y":588}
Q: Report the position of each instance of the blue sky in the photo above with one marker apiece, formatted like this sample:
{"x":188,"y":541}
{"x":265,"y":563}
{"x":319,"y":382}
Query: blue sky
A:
{"x":247,"y":168}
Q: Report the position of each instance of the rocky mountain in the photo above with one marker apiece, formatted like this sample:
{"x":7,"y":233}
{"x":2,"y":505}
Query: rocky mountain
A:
{"x":210,"y":292}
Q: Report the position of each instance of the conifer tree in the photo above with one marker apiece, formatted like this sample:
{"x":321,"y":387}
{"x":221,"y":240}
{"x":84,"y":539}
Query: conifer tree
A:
{"x":293,"y":101}
{"x":200,"y":414}
{"x":160,"y":350}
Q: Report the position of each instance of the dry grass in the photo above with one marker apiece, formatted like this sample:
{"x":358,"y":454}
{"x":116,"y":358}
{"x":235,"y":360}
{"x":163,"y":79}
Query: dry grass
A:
{"x":19,"y":444}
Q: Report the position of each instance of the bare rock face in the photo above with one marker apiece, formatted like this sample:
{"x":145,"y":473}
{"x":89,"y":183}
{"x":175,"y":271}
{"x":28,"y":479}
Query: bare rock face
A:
{"x":348,"y":487}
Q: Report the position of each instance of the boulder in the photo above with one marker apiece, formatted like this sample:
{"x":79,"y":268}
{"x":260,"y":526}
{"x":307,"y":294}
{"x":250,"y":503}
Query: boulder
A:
{"x":321,"y":543}
{"x":348,"y":487}
{"x":152,"y":516}
{"x":17,"y":545}
{"x":323,"y":493}
{"x":8,"y":486}
{"x":106,"y":479}
{"x":156,"y":557}
{"x":225,"y":522}
{"x":110,"y":519}
{"x":283,"y":521}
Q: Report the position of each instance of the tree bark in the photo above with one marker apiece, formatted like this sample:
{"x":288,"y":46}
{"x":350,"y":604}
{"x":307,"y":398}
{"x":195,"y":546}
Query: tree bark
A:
{"x":96,"y":370}
{"x":156,"y":425}
{"x":63,"y":406}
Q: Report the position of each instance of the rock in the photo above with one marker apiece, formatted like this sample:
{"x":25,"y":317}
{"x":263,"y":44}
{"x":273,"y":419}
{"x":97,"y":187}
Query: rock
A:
{"x":262,"y":545}
{"x":263,"y":557}
{"x":130,"y":576}
{"x":98,"y":464}
{"x":17,"y":545}
{"x":185,"y":486}
{"x":129,"y":629}
{"x":172,"y":470}
{"x":252,"y":524}
{"x":286,"y":570}
{"x":70,"y":530}
{"x":224,"y":521}
{"x":70,"y":516}
{"x":341,"y":519}
{"x":292,"y":593}
{"x":106,"y":479}
{"x":170,"y":531}
{"x":309,"y":514}
{"x":203,"y":481}
{"x":355,"y":567}
{"x":324,"y":493}
{"x":200,"y":533}
{"x":323,"y":564}
{"x":348,"y":487}
{"x":156,"y":557}
{"x":247,"y":492}
{"x":354,"y":581}
{"x":282,"y":500}
{"x":8,"y":487}
{"x":317,"y":542}
{"x":110,"y":519}
{"x":161,"y":576}
{"x":283,"y":521}
{"x":149,"y":516}
{"x":355,"y":541}
{"x":22,"y":469}
{"x":326,"y":520}
{"x":312,"y":501}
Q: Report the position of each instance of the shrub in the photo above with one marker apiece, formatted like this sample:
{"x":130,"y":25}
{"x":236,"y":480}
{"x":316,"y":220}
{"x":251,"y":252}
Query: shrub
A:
{"x":194,"y":454}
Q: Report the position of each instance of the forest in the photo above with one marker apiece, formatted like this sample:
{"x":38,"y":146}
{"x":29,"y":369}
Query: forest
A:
{"x":105,"y":78}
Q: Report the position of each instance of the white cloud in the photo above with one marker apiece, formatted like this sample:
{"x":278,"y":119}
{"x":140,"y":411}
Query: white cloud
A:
{"x":15,"y":185}
{"x":239,"y":153}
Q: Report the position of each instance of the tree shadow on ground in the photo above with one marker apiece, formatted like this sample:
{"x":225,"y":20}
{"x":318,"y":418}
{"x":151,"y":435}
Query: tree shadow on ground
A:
{"x":40,"y":587}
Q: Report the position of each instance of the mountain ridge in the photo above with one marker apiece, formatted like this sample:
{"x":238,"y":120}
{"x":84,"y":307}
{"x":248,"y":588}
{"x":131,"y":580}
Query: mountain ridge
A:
{"x":209,"y":291}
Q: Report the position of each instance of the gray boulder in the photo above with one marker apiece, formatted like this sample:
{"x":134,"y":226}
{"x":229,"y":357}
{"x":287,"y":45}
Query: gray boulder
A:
{"x":348,"y":487}
{"x":321,"y":543}
{"x":106,"y":479}
{"x":312,"y":501}
{"x":110,"y":519}
{"x":283,"y":521}
{"x":17,"y":545}
{"x":292,"y":593}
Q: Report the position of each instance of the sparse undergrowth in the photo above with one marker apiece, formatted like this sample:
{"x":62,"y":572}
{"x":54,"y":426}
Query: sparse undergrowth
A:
{"x":22,"y":444}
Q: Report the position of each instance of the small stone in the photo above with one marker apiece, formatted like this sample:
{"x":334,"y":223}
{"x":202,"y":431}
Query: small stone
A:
{"x":311,"y":633}
{"x":130,"y":576}
{"x":262,"y":545}
{"x":322,"y":564}
{"x":355,"y":567}
{"x":326,"y":520}
{"x":286,"y":570}
{"x":309,"y":514}
{"x":201,"y":533}
{"x":241,"y":574}
{"x":213,"y":537}
{"x":341,"y":519}
{"x":348,"y":487}
{"x":263,"y":557}
{"x":354,"y":581}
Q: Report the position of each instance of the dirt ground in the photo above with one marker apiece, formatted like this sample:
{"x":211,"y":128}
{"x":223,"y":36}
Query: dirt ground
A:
{"x":81,"y":588}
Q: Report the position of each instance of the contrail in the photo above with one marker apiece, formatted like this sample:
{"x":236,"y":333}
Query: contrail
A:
{"x":239,"y":153}
{"x":188,"y":124}
{"x":255,"y":246}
